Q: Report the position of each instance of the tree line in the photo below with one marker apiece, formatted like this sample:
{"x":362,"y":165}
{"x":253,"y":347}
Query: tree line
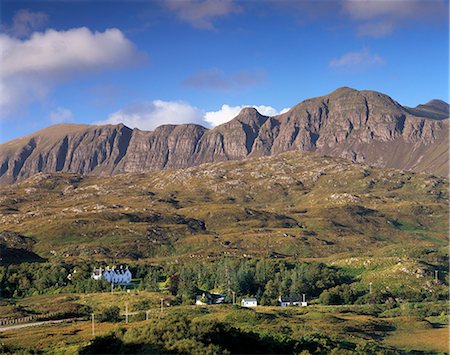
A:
{"x":265,"y":279}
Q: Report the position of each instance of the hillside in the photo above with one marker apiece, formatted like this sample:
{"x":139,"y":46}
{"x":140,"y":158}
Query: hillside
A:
{"x":289,"y":205}
{"x":362,"y":126}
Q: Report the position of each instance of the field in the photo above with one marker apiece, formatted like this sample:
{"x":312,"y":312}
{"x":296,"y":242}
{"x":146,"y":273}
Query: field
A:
{"x":353,"y":325}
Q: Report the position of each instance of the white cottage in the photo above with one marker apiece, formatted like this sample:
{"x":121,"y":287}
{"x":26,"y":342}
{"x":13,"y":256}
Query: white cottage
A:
{"x":292,"y":301}
{"x":249,"y":302}
{"x":289,"y":301}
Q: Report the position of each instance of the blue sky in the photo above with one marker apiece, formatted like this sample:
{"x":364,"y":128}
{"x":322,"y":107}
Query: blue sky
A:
{"x":147,"y":63}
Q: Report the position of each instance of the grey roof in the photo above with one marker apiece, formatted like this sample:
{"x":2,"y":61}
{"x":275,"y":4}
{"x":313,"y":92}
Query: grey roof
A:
{"x":249,"y":299}
{"x":290,"y":299}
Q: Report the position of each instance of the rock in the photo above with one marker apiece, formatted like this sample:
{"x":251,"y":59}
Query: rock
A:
{"x":362,"y":126}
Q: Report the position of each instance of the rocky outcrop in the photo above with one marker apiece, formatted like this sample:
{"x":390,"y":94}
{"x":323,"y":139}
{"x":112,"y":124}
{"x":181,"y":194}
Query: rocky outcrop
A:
{"x":78,"y":148}
{"x":364,"y":126}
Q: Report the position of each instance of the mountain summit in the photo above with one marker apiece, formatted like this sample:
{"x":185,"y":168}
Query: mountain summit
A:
{"x":363,"y":126}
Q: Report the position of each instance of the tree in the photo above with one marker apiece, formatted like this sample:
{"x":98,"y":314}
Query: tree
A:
{"x":173,"y":282}
{"x":270,"y":294}
{"x":186,"y":286}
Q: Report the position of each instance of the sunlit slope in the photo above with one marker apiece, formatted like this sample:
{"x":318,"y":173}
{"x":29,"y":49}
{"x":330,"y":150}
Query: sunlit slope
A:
{"x":292,"y":204}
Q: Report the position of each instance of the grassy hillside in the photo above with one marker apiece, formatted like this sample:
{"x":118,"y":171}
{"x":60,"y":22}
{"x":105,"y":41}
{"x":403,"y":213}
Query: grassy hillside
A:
{"x":291,"y":205}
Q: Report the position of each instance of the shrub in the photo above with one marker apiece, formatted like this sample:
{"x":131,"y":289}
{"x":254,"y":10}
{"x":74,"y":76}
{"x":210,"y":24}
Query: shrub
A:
{"x":110,"y":314}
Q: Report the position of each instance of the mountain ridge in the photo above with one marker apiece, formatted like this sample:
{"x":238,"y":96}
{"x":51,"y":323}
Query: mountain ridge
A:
{"x":363,"y":126}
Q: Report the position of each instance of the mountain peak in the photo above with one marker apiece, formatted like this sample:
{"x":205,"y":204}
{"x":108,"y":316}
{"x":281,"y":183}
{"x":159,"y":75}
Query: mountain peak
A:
{"x":363,"y":126}
{"x":434,"y":109}
{"x":249,"y":111}
{"x":438,"y":105}
{"x":250,"y":115}
{"x":343,"y":89}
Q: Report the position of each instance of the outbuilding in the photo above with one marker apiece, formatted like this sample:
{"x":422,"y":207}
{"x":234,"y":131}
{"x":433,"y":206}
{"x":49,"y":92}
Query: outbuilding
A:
{"x":249,"y":302}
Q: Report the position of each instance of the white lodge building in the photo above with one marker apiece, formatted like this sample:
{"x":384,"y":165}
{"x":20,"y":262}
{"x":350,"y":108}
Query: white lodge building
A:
{"x":112,"y":275}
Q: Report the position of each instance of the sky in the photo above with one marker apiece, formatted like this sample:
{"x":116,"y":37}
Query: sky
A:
{"x":147,"y":63}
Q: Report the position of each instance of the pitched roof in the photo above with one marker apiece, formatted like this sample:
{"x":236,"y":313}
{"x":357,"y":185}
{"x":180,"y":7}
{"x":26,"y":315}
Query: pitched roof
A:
{"x":290,"y":299}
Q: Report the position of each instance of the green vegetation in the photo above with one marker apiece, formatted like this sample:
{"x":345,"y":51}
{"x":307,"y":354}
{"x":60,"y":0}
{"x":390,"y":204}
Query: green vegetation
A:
{"x":232,"y":329}
{"x":110,"y":314}
{"x":287,"y":206}
{"x":178,"y":334}
{"x":362,"y":244}
{"x":394,"y":280}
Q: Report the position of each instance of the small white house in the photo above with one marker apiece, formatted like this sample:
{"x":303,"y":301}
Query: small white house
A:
{"x":292,"y":301}
{"x":249,"y":302}
{"x":289,"y":301}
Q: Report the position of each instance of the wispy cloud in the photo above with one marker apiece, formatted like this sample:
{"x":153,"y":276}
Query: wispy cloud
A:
{"x":202,"y":13}
{"x":369,"y":18}
{"x":25,"y":22}
{"x":31,"y":68}
{"x":376,"y":29}
{"x":61,"y":115}
{"x":216,"y":79}
{"x":357,"y":61}
{"x":378,"y":18}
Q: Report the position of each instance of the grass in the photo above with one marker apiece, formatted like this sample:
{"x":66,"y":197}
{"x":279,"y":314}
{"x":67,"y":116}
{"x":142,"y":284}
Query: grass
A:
{"x":434,"y":339}
{"x":344,"y":323}
{"x":62,"y":337}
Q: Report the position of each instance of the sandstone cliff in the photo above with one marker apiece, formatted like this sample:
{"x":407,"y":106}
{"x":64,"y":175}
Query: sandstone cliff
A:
{"x":363,"y":126}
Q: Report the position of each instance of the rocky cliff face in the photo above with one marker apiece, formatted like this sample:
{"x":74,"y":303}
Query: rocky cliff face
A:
{"x":363,"y":126}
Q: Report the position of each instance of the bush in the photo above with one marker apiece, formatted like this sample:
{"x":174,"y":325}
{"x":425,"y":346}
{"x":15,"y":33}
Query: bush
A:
{"x":111,"y":314}
{"x":144,"y":304}
{"x":343,"y":294}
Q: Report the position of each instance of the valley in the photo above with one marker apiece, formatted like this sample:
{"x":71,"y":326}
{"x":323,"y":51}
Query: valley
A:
{"x":367,"y":246}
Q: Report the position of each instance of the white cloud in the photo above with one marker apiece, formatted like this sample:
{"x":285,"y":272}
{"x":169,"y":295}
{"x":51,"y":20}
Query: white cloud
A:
{"x":31,"y":68}
{"x":149,"y":115}
{"x":61,"y":115}
{"x":201,"y":13}
{"x":65,"y":52}
{"x":358,"y":60}
{"x":226,"y":113}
